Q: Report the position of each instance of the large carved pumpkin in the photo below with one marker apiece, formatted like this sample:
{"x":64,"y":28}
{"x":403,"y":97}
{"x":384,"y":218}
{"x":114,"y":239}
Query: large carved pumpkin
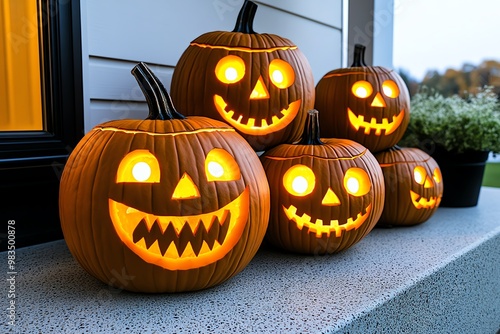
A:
{"x":413,"y":183}
{"x":170,"y":203}
{"x":261,"y":84}
{"x":326,"y":194}
{"x":367,"y":104}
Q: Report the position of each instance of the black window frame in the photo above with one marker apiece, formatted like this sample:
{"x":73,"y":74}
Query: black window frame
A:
{"x":31,"y":161}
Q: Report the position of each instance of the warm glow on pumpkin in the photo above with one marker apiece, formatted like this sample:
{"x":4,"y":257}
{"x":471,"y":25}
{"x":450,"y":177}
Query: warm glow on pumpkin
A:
{"x":390,"y":89}
{"x":230,"y":69}
{"x":357,"y":182}
{"x":221,"y":166}
{"x":437,"y":175}
{"x":259,"y":91}
{"x":362,"y":89}
{"x":281,"y":73}
{"x":139,"y":166}
{"x":421,"y":177}
{"x":299,"y":180}
{"x":186,"y":188}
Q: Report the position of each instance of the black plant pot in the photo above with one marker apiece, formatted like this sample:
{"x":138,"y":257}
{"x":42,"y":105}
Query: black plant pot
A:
{"x":462,"y":176}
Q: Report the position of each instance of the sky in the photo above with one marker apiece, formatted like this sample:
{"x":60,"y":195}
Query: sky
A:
{"x":441,"y":34}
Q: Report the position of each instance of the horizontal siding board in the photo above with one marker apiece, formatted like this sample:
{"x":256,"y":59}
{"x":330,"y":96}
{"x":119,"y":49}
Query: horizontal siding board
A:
{"x":102,"y":111}
{"x":110,"y":79}
{"x":322,"y":45}
{"x":328,"y":12}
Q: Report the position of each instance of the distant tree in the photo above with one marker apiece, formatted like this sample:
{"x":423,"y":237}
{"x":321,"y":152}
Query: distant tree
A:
{"x":466,"y":80}
{"x":411,"y":83}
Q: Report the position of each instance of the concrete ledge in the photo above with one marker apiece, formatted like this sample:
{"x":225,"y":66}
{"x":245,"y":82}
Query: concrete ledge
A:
{"x":439,"y":277}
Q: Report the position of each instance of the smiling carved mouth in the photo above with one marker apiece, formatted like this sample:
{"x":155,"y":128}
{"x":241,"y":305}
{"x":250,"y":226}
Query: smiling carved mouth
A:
{"x":320,"y":227}
{"x":277,"y":123}
{"x":389,"y":127}
{"x":423,"y":203}
{"x":181,"y":242}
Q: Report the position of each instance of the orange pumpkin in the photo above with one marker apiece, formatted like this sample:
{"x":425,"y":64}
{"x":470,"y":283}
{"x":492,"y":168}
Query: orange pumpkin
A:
{"x":367,"y":104}
{"x":326,"y":194}
{"x":261,"y":84}
{"x":172,"y":203}
{"x":414,"y":186}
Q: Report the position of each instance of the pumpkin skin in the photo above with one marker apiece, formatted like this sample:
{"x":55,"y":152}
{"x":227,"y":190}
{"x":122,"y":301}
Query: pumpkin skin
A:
{"x":181,"y":225}
{"x":269,"y":89}
{"x":414,"y":186}
{"x":329,"y":165}
{"x":367,"y":104}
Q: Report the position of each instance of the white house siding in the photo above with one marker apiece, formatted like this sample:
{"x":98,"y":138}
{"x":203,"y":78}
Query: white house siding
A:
{"x":117,"y":34}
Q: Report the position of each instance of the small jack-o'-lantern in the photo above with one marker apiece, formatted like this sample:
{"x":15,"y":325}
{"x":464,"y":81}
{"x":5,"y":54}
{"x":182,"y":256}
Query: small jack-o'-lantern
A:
{"x":173,"y":203}
{"x":413,"y":183}
{"x":261,"y":84}
{"x":326,"y":194}
{"x":367,"y":104}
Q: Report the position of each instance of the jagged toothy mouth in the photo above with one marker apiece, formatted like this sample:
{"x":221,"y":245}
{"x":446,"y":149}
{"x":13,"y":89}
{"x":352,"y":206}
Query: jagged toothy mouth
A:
{"x":277,"y":122}
{"x":181,"y":242}
{"x":320,"y":227}
{"x":424,"y":203}
{"x":389,"y":127}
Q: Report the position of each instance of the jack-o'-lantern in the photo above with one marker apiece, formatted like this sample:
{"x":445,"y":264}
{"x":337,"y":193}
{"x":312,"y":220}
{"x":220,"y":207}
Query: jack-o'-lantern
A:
{"x":260,"y":84}
{"x":414,"y":186}
{"x":174,"y":203}
{"x":367,"y":104}
{"x":326,"y":194}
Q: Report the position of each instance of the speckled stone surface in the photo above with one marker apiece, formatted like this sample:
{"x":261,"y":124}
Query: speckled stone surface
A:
{"x":442,"y":276}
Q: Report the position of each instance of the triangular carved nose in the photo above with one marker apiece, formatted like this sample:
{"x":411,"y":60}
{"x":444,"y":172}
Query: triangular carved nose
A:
{"x":378,"y":101}
{"x":330,"y":198}
{"x":186,"y":188}
{"x":428,"y":182}
{"x":259,"y":91}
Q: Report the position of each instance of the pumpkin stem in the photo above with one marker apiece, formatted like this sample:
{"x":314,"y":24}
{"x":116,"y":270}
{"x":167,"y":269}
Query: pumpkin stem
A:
{"x":359,"y":56}
{"x":311,"y":136}
{"x":159,"y":102}
{"x":244,"y":22}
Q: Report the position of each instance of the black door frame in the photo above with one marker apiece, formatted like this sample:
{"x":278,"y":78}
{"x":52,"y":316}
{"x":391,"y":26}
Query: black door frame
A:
{"x":31,"y":162}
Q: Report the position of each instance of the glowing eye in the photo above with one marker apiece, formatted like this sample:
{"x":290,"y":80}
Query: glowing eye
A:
{"x":281,"y":73}
{"x":362,"y":89}
{"x":299,"y":180}
{"x":139,"y":166}
{"x":390,"y":89}
{"x":299,"y":184}
{"x":419,"y":174}
{"x":221,"y":166}
{"x":215,"y":169}
{"x":437,"y":175}
{"x":230,"y":69}
{"x":357,"y":182}
{"x":141,"y":171}
{"x":352,"y":185}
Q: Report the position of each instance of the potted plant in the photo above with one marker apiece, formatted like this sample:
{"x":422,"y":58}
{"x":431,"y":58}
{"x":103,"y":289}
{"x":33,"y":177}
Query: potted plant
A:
{"x":459,"y":133}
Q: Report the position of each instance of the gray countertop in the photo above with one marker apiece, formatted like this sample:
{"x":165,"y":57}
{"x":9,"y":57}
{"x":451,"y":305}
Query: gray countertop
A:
{"x":275,"y":293}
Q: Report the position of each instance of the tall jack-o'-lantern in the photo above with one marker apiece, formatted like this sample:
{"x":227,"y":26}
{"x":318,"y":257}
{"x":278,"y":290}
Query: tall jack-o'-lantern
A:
{"x":367,"y":104}
{"x":326,"y":194}
{"x":173,"y":203}
{"x":414,"y":186}
{"x":261,"y":84}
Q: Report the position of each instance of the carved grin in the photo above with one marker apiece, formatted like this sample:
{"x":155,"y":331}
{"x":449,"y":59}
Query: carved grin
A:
{"x":277,"y":123}
{"x":319,"y":227}
{"x":389,"y":127}
{"x":423,"y":203}
{"x":181,"y":242}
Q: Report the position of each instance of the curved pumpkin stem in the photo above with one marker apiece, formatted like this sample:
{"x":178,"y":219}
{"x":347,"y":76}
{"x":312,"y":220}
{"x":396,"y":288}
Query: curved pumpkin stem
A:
{"x":244,"y":22}
{"x":359,"y":56}
{"x":159,"y":102}
{"x":311,"y":136}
